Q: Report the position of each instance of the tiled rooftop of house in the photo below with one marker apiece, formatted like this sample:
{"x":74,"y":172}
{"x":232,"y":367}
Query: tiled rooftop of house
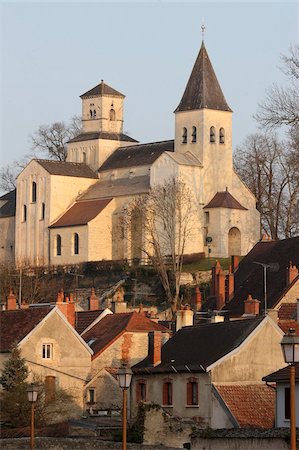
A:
{"x":287,"y":311}
{"x":85,"y":318}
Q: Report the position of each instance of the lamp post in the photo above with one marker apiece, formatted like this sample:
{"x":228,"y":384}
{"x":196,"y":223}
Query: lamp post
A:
{"x":32,"y":393}
{"x":124,"y":376}
{"x":290,"y":348}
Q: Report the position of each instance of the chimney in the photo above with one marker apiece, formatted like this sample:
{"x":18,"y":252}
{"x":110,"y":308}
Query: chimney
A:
{"x":184,"y":317}
{"x":215,"y":271}
{"x":61,"y":302}
{"x":24,"y":304}
{"x":220,"y":293}
{"x":71,"y":313}
{"x":50,"y":381}
{"x":292,"y":273}
{"x":251,"y":306}
{"x":198,"y":299}
{"x":229,"y":285}
{"x":234,"y":262}
{"x":11,"y":301}
{"x":154,"y":347}
{"x":118,"y":307}
{"x":93,"y":301}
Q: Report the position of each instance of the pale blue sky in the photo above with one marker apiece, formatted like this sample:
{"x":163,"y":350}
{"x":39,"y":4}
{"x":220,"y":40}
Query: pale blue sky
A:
{"x":51,"y":52}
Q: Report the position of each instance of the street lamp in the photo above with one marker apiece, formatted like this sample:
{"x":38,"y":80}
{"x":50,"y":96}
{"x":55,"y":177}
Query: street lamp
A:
{"x":32,"y":393}
{"x":290,"y":348}
{"x":124,"y":376}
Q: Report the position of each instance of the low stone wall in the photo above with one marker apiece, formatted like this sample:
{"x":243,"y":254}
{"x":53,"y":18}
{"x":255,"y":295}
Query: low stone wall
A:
{"x":74,"y":444}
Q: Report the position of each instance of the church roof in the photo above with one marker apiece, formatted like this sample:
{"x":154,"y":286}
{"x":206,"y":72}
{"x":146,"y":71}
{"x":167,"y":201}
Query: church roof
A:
{"x":203,"y":89}
{"x":67,"y":169}
{"x":224,"y":200}
{"x":81,"y":213}
{"x":8,"y":209}
{"x":102,"y":135}
{"x":137,"y":155}
{"x":102,"y":89}
{"x":117,"y":187}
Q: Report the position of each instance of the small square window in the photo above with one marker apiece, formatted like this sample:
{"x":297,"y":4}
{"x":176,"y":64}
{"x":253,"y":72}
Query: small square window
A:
{"x":47,"y":351}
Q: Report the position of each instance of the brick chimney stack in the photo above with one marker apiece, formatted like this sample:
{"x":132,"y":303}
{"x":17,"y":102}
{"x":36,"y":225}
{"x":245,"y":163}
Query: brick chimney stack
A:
{"x":251,"y":306}
{"x":229,"y":285}
{"x":234,"y":263}
{"x":215,"y":271}
{"x":11,"y":301}
{"x":220,"y":293}
{"x":71,"y":310}
{"x":93,"y":301}
{"x":292,"y":273}
{"x":198,"y":299}
{"x":154,"y":347}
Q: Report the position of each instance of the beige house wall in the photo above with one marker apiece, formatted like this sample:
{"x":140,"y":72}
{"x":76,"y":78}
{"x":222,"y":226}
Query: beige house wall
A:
{"x":291,"y":296}
{"x":67,"y":245}
{"x":7,"y":240}
{"x":257,"y":358}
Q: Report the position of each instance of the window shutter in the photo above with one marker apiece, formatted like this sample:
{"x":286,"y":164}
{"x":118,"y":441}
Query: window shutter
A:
{"x":189,"y":393}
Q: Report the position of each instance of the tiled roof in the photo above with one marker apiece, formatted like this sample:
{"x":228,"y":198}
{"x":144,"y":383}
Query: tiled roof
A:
{"x":203,"y":89}
{"x":67,"y":169}
{"x":282,"y":375}
{"x":81,"y":213}
{"x":117,"y":187}
{"x":224,"y":200}
{"x":213,"y":341}
{"x":90,"y":136}
{"x":287,"y":311}
{"x":249,"y":276}
{"x":136,"y":155}
{"x":253,"y":406}
{"x":102,"y":89}
{"x":285,"y":325}
{"x":85,"y":318}
{"x":9,"y":208}
{"x":15,"y":325}
{"x":103,"y":333}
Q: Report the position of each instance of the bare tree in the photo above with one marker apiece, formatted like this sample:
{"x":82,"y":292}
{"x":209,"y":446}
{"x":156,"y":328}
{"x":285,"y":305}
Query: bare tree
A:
{"x":270,"y":169}
{"x":166,"y":220}
{"x":281,"y":104}
{"x":52,"y":139}
{"x":7,"y":178}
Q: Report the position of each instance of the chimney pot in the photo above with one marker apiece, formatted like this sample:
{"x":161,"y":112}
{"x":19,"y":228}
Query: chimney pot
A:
{"x":11,"y":301}
{"x":154,"y":347}
{"x":93,"y":301}
{"x":252,"y":306}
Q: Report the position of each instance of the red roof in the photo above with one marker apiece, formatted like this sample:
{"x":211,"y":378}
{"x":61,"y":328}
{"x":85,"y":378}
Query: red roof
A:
{"x":253,"y":406}
{"x":81,"y":213}
{"x":285,"y":325}
{"x":16,"y":324}
{"x":112,"y":326}
{"x":224,"y":200}
{"x":287,"y":311}
{"x":85,"y":318}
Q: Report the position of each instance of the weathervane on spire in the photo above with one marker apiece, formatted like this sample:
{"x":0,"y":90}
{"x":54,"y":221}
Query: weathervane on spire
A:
{"x":203,"y":27}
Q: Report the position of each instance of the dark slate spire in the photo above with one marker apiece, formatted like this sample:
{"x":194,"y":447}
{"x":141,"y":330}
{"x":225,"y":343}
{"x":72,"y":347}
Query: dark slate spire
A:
{"x":203,"y":89}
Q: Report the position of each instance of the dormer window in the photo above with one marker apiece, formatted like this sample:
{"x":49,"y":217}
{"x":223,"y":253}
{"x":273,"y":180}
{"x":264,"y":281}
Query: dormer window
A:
{"x":184,"y":136}
{"x":212,"y":134}
{"x":112,"y":114}
{"x":221,"y":136}
{"x":193,"y":134}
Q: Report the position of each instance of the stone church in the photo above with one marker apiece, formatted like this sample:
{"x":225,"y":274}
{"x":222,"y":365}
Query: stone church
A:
{"x":70,"y":212}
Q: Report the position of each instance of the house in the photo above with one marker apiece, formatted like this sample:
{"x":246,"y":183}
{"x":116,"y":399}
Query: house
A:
{"x":71,"y":212}
{"x":50,"y":345}
{"x":282,"y":379}
{"x":197,"y":373}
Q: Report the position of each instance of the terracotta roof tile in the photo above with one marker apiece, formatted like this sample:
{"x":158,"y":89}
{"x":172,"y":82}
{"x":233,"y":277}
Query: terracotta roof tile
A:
{"x":287,"y":311}
{"x":285,"y":325}
{"x":85,"y":318}
{"x":112,"y":326}
{"x":224,"y":200}
{"x":253,"y":406}
{"x":67,"y":169}
{"x":81,"y":213}
{"x":15,"y":325}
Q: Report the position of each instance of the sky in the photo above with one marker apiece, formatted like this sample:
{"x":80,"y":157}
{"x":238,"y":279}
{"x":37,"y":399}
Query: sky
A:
{"x":52,"y":52}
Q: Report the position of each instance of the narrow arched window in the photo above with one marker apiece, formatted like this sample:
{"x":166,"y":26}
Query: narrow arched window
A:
{"x":193,"y":134}
{"x":90,"y":113}
{"x":112,"y":114}
{"x":58,"y":245}
{"x":212,"y":134}
{"x":24,"y":213}
{"x":76,"y":244}
{"x":221,"y":136}
{"x":94,"y":114}
{"x":84,"y":157}
{"x":42,"y":213}
{"x":33,"y":192}
{"x":184,"y":136}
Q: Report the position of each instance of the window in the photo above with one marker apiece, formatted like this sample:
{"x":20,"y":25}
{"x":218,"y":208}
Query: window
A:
{"x":287,"y":403}
{"x":112,"y":114}
{"x":90,"y":113}
{"x":221,"y":136}
{"x":141,"y":391}
{"x":84,"y":157}
{"x":167,"y":393}
{"x":207,"y":218}
{"x":24,"y":213}
{"x":47,"y":351}
{"x":58,"y":245}
{"x":42,"y":214}
{"x":212,"y":134}
{"x":184,"y":136}
{"x":193,"y":134}
{"x":94,"y":114}
{"x":76,"y":244}
{"x":91,"y":395}
{"x":192,"y":392}
{"x":33,"y":192}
